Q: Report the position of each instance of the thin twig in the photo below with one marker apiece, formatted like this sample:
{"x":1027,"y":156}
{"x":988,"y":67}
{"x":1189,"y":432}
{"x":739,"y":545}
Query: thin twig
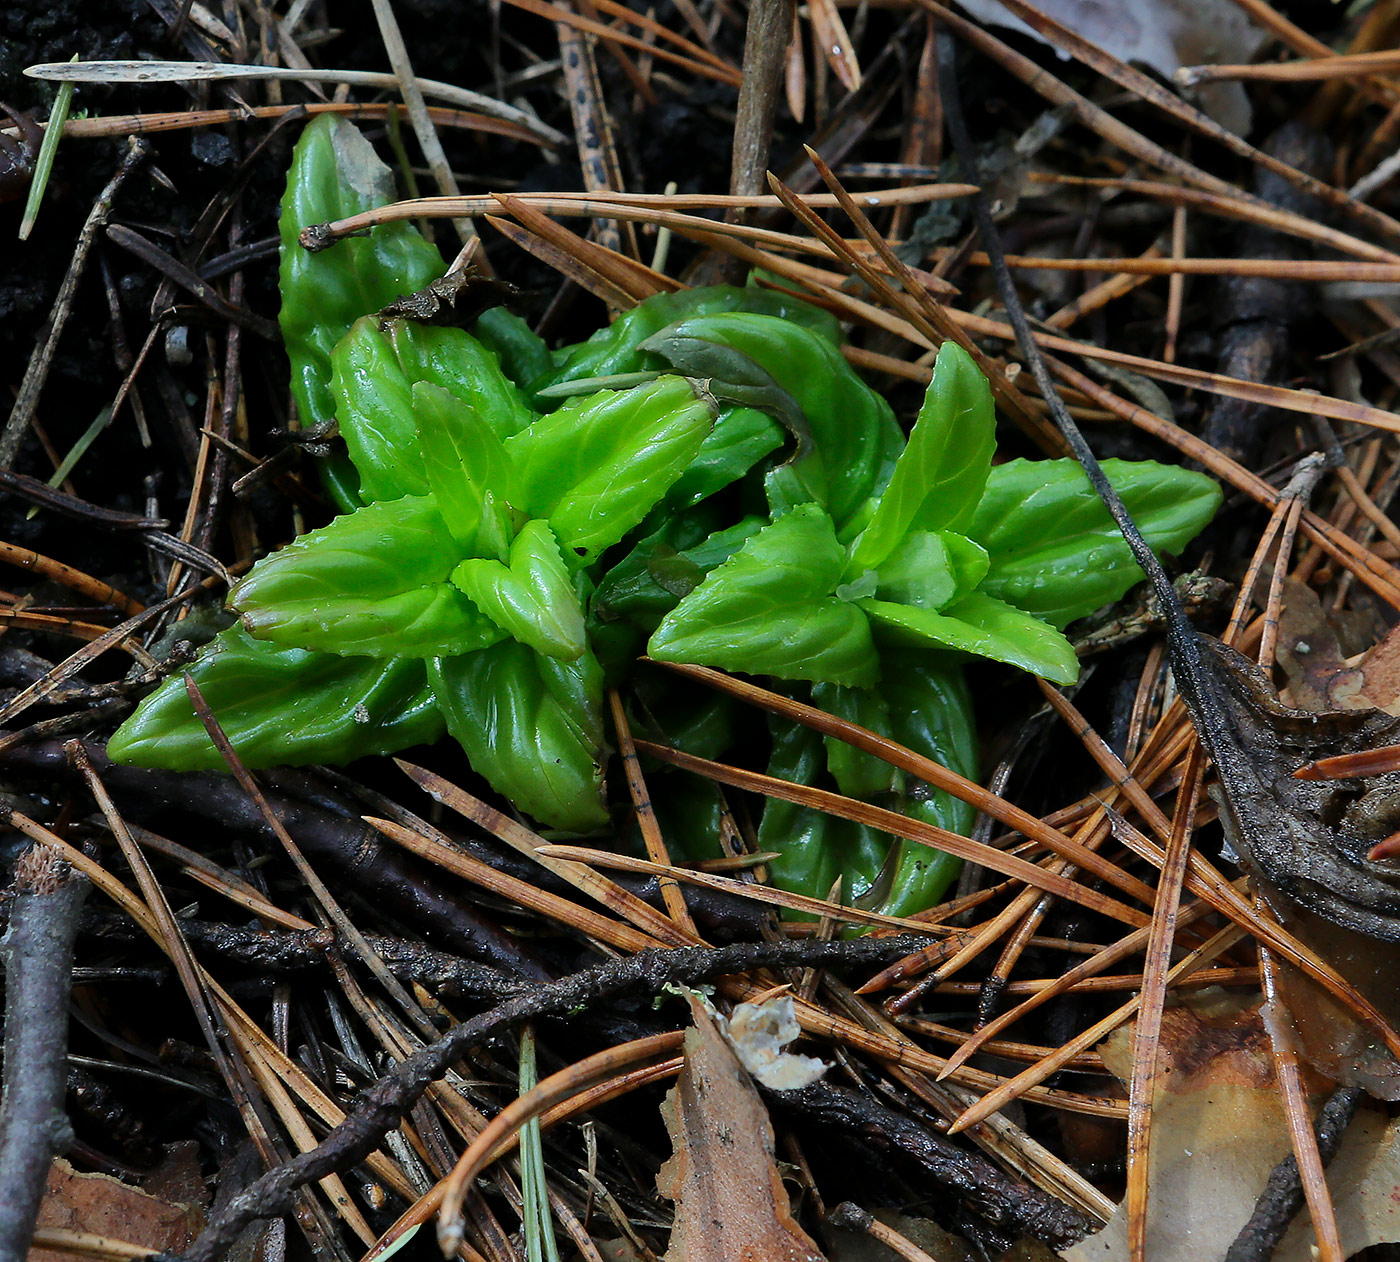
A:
{"x":1282,"y":1197}
{"x":28,"y":398}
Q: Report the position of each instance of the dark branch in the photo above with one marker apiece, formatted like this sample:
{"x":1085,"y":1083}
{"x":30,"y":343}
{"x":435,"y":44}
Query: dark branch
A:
{"x":1013,"y":1206}
{"x":384,"y":1104}
{"x":38,"y":952}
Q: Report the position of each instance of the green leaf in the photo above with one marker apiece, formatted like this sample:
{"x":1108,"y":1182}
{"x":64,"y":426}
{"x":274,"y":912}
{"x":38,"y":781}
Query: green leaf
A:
{"x":856,"y":439}
{"x":532,"y":599}
{"x":931,"y":569}
{"x":468,"y":471}
{"x":698,"y":720}
{"x":456,"y":361}
{"x":1055,"y":550}
{"x":532,"y":726}
{"x":923,"y":703}
{"x":981,"y":625}
{"x":814,"y":848}
{"x":739,"y":439}
{"x":733,"y":378}
{"x":931,"y":712}
{"x":596,"y":466}
{"x":281,"y":705}
{"x":941,"y":475}
{"x":373,"y":583}
{"x":374,"y":406}
{"x":374,"y":373}
{"x":770,"y":609}
{"x":522,"y":352}
{"x":616,"y":349}
{"x":335,"y":173}
{"x":858,"y":774}
{"x":653,"y":578}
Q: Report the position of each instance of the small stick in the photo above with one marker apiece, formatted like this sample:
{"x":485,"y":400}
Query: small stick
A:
{"x":1297,"y":492}
{"x":1282,"y":1196}
{"x":38,"y":949}
{"x":852,"y":1218}
{"x":423,"y":128}
{"x":195,"y":71}
{"x":765,"y":52}
{"x":37,"y":372}
{"x":597,"y":153}
{"x":1176,"y":285}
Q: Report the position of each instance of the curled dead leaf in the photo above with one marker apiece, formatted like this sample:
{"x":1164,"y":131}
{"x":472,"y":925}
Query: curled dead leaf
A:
{"x":1307,"y":841}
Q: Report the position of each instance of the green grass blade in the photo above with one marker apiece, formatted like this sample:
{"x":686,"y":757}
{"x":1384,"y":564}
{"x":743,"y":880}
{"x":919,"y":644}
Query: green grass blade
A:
{"x":53,"y":132}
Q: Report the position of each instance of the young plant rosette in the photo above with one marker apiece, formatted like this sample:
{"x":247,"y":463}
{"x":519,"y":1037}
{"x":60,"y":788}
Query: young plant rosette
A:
{"x":517,"y":532}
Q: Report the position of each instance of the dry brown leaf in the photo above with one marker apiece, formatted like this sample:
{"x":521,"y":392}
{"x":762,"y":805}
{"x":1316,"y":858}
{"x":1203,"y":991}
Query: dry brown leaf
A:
{"x":1318,"y":651}
{"x":730,"y":1199}
{"x":1324,"y":1030}
{"x":1218,"y":1130}
{"x":105,"y":1206}
{"x":1380,"y":674}
{"x":1307,"y":840}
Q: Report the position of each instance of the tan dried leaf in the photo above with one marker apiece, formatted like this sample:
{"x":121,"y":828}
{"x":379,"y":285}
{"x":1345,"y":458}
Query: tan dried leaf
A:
{"x":1218,"y":1129}
{"x":730,"y":1201}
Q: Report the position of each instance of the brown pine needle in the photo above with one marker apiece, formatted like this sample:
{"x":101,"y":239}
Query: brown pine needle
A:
{"x":1299,"y":1118}
{"x":519,"y":838}
{"x":1015,"y":1088}
{"x":1149,"y":90}
{"x":431,"y":845}
{"x":501,"y":1133}
{"x":913,"y":298}
{"x":925,"y":834}
{"x":1155,"y":973}
{"x":935,"y":774}
{"x":620,"y":204}
{"x":1233,"y":206}
{"x":803,"y":903}
{"x":671,"y":893}
{"x":702,"y":62}
{"x":1368,"y":762}
{"x":1347,"y":66}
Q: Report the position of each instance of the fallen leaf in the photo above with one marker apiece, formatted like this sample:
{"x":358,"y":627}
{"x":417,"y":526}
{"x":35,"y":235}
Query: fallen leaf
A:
{"x":1325,"y":1032}
{"x":1380,"y":674}
{"x":1323,"y":672}
{"x":1218,"y":1129}
{"x":730,"y":1199}
{"x":106,"y":1206}
{"x":1305,"y":840}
